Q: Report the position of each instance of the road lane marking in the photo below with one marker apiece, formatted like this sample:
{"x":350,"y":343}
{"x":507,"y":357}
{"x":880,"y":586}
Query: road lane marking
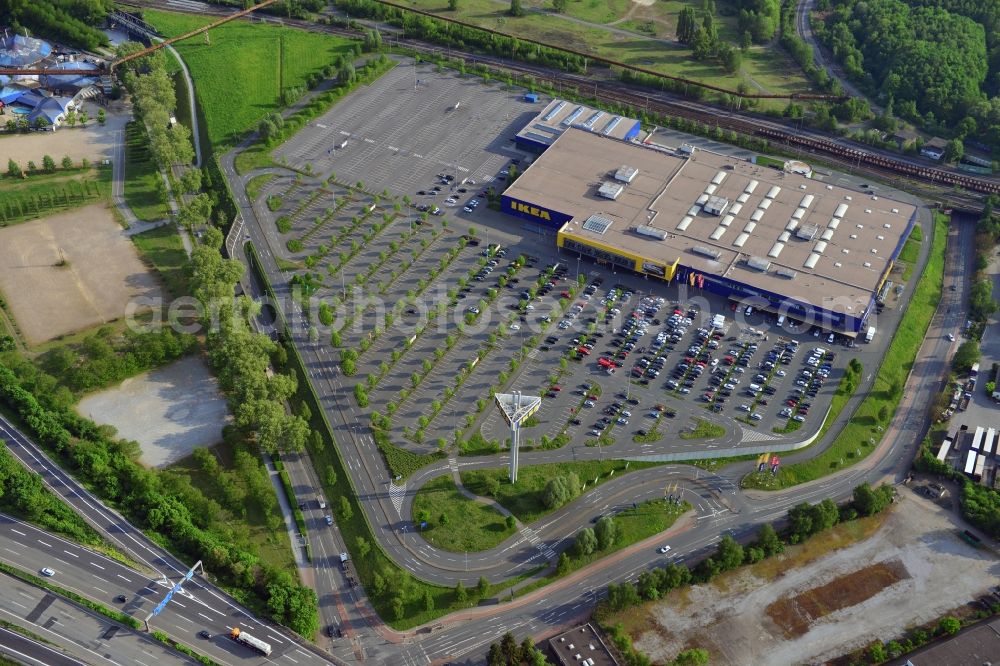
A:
{"x":100,"y":590}
{"x":70,"y":554}
{"x":17,"y":532}
{"x":205,"y":616}
{"x":95,"y":564}
{"x":11,"y":551}
{"x":124,"y":578}
{"x":47,"y":545}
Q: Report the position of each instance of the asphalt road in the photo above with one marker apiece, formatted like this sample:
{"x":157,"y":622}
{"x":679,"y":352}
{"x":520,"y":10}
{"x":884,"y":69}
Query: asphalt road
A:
{"x":76,"y":634}
{"x":24,"y":650}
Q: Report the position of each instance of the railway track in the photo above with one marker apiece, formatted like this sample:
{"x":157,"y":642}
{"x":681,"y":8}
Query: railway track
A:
{"x":839,"y":151}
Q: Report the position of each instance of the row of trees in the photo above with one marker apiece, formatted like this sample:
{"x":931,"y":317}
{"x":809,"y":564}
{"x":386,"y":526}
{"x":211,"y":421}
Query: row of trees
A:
{"x":103,"y":359}
{"x":154,"y":102}
{"x":14,"y":169}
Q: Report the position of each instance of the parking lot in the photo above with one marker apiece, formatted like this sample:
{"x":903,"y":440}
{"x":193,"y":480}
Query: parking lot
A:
{"x":433,"y":304}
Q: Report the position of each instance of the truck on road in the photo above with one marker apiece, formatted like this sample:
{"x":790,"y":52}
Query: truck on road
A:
{"x":246,"y":639}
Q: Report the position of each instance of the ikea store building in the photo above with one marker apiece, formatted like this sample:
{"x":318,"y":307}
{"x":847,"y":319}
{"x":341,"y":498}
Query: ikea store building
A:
{"x":787,"y":244}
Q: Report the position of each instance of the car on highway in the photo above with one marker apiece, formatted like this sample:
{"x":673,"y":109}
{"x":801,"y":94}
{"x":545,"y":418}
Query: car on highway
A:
{"x":204,"y":634}
{"x":664,"y":550}
{"x":45,"y":571}
{"x":120,"y":599}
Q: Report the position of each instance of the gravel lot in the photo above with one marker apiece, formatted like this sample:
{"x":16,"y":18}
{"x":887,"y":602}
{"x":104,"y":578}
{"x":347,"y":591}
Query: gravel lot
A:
{"x":169,"y":411}
{"x":93,"y":141}
{"x":919,"y":540}
{"x":101,"y":276}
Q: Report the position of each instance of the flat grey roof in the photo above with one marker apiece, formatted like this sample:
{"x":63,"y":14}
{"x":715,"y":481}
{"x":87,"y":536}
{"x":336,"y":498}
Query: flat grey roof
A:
{"x":559,"y":115}
{"x":855,"y":236}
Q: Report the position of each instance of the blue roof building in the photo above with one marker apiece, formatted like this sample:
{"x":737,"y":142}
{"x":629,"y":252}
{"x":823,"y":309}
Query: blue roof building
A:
{"x":21,"y":51}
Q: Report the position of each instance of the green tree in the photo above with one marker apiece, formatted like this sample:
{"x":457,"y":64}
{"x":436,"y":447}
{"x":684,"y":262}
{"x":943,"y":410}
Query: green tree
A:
{"x":460,"y":594}
{"x":14,"y":169}
{"x":67,"y":162}
{"x":48,"y":164}
{"x":768,"y":540}
{"x":949,"y":625}
{"x":967,"y":354}
{"x":398,"y":609}
{"x":453,"y":5}
{"x":559,"y":5}
{"x":953,"y":151}
{"x":586,"y":541}
{"x":687,"y":23}
{"x":730,"y":553}
{"x":482,"y":587}
{"x":606,"y":531}
{"x":346,"y":512}
{"x":428,"y":601}
{"x":101,"y":116}
{"x":692,"y":657}
{"x":515,"y":8}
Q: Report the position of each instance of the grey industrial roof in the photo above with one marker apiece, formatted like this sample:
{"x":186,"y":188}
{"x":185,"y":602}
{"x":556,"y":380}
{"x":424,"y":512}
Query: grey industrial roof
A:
{"x":856,"y":233}
{"x":559,"y":115}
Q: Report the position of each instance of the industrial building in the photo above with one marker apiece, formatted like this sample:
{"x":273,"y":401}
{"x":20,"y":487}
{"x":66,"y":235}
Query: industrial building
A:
{"x":560,"y":115}
{"x":581,"y":646}
{"x":779,"y":241}
{"x":974,"y":452}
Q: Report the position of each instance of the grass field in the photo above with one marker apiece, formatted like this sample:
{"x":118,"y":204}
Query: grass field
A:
{"x":257,"y":183}
{"x":641,"y":36}
{"x":862,"y":434}
{"x":143,"y":192}
{"x":703,"y":430}
{"x":162,"y":248}
{"x":41,"y":194}
{"x":525,"y":499}
{"x":471,"y":526}
{"x":633,"y":525}
{"x":239,"y":75}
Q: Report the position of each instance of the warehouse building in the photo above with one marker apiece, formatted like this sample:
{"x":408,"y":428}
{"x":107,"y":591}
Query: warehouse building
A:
{"x":560,"y":115}
{"x":779,"y":241}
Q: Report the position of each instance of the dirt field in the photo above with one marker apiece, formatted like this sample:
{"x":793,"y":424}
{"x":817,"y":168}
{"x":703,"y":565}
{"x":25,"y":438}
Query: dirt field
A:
{"x":101,"y":275}
{"x":95,"y":142}
{"x":912,"y":571}
{"x":168,"y":411}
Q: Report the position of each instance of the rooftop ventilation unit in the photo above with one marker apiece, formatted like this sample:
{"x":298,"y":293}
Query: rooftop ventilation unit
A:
{"x":751,"y":186}
{"x":786,"y":273}
{"x":867,"y":264}
{"x":685,"y":223}
{"x":597,"y":224}
{"x":651,"y":232}
{"x":776,"y":249}
{"x":773,"y":192}
{"x":792,"y":225}
{"x":694,"y":210}
{"x":799,"y":213}
{"x":610,"y":190}
{"x":758,"y":263}
{"x":741,"y":239}
{"x":710,"y":189}
{"x":819,"y":247}
{"x":807,"y":232}
{"x":764,"y":204}
{"x":811,"y":260}
{"x":702,"y":199}
{"x":706,"y":252}
{"x":626,"y":174}
{"x":827,"y":235}
{"x":757,"y":215}
{"x":716,"y":205}
{"x":833,"y":223}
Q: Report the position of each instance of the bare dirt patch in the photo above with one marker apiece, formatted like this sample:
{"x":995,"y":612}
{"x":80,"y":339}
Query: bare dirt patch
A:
{"x":94,"y":141}
{"x":794,"y":615}
{"x":71,"y":271}
{"x":814,"y":604}
{"x":169,"y":411}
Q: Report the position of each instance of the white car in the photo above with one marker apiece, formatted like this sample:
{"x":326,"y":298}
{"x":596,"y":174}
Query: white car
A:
{"x":47,"y":572}
{"x":951,"y":337}
{"x":472,"y":310}
{"x":515,"y":327}
{"x":451,"y":201}
{"x":664,"y":550}
{"x":588,"y":403}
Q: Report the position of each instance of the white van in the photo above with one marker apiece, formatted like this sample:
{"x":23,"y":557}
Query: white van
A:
{"x":781,"y":321}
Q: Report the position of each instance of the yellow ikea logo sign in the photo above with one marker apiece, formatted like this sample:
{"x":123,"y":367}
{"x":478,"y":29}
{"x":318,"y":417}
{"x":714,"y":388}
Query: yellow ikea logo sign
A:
{"x":530,"y":210}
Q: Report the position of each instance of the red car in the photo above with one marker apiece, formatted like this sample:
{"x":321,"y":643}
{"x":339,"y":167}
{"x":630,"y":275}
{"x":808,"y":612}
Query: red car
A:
{"x":604,"y":362}
{"x":583,"y":350}
{"x":556,"y":387}
{"x":564,"y":294}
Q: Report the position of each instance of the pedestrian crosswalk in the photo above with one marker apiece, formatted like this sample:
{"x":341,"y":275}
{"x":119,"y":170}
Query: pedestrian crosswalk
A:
{"x":396,"y":494}
{"x":757,"y":436}
{"x":532,"y":537}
